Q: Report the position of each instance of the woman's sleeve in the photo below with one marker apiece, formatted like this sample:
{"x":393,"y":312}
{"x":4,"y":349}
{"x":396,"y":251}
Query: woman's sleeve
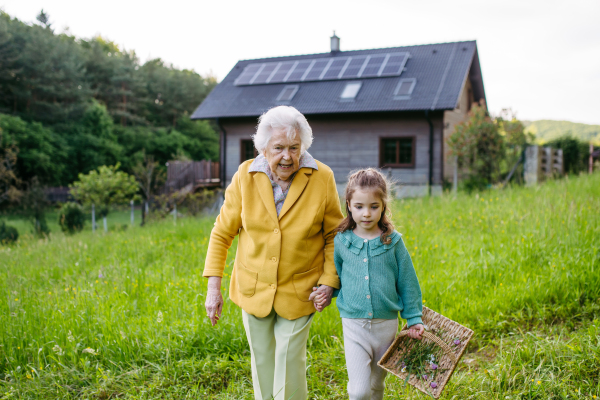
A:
{"x":227,"y":226}
{"x":408,"y":287}
{"x":331,"y":220}
{"x":337,"y":259}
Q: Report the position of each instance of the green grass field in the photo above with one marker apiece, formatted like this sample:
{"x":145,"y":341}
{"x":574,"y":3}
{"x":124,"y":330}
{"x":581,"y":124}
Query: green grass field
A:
{"x":120,"y":315}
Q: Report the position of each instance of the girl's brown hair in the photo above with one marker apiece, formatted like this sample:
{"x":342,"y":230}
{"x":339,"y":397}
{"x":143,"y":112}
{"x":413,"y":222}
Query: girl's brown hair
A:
{"x":374,"y":180}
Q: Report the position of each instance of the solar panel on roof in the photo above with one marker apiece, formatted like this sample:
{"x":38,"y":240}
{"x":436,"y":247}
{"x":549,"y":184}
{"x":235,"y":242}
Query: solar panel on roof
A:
{"x":335,"y":68}
{"x":264,"y":74}
{"x":281,"y":72}
{"x":316,"y":70}
{"x":354,"y":67}
{"x":330,"y":68}
{"x":247,"y":74}
{"x":373,"y":66}
{"x":299,"y":71}
{"x":394,"y":65}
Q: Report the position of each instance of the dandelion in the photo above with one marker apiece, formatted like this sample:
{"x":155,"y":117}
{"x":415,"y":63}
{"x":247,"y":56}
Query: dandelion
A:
{"x":58,"y":350}
{"x":159,"y":317}
{"x":538,"y":382}
{"x":16,"y":299}
{"x":28,"y":376}
{"x":70,"y":337}
{"x":77,"y":264}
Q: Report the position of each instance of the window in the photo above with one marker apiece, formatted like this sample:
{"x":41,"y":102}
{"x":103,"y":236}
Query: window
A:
{"x":397,"y":152}
{"x":288,"y":93}
{"x":247,"y":150}
{"x":404,"y":89}
{"x":350,"y":91}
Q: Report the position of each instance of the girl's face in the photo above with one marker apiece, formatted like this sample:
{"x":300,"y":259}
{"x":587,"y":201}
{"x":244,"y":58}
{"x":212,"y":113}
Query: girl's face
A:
{"x":366,"y":208}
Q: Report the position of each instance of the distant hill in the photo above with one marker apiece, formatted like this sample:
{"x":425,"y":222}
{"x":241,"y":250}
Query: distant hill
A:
{"x":546,"y":130}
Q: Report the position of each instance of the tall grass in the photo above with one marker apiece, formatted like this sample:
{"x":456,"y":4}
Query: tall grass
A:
{"x":99,"y":316}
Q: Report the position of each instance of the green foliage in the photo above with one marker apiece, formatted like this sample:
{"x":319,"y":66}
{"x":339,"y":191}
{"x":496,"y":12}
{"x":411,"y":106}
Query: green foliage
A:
{"x":71,"y":218}
{"x":8,"y":234}
{"x":548,"y":130}
{"x":34,"y":204}
{"x":494,"y":263}
{"x":575,"y":152}
{"x":77,"y":104}
{"x":9,"y":181}
{"x":478,"y":145}
{"x":42,"y":152}
{"x":104,"y":187}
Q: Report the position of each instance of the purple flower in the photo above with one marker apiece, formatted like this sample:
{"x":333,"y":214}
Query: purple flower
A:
{"x":100,"y":276}
{"x":425,"y":376}
{"x":433,"y":385}
{"x":456,"y":342}
{"x":433,"y":366}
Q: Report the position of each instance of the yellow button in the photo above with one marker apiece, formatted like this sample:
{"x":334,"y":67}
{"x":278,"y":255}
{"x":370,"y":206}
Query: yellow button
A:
{"x":274,"y":259}
{"x":276,"y":231}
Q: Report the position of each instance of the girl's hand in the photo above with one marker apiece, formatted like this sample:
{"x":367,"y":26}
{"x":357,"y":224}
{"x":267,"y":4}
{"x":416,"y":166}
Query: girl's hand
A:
{"x":415,"y":331}
{"x":321,"y":297}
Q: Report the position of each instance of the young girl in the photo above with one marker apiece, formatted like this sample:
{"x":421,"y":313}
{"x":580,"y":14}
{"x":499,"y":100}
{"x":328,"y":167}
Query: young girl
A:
{"x":377,"y":281}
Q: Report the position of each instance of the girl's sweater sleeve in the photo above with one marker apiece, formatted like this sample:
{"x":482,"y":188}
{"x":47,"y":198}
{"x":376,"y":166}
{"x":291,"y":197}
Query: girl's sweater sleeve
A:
{"x":337,"y":259}
{"x":408,"y":287}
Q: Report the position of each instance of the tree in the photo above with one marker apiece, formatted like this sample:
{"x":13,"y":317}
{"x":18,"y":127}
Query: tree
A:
{"x":34,"y":203}
{"x":9,"y":182}
{"x":104,"y":187}
{"x":44,"y":19}
{"x":478,"y":146}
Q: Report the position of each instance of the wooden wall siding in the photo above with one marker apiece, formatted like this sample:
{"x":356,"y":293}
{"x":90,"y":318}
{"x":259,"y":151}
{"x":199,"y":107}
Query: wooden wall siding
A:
{"x":451,"y":119}
{"x":345,"y":145}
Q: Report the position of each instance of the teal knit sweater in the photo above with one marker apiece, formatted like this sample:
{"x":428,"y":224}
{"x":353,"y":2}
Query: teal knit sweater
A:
{"x":377,"y":280}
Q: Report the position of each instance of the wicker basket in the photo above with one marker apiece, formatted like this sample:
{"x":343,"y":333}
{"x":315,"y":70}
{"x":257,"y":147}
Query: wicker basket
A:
{"x":441,"y":331}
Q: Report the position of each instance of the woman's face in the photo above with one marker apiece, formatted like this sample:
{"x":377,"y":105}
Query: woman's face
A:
{"x":283,"y":154}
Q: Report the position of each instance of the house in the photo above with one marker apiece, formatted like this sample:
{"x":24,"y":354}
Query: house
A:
{"x":391,"y":108}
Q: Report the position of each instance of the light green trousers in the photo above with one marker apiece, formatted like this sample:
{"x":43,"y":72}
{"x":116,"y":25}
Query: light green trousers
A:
{"x":278,"y":350}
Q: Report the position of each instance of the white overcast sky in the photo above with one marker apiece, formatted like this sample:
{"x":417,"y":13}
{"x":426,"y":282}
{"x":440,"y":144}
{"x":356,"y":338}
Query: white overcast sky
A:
{"x":540,"y":58}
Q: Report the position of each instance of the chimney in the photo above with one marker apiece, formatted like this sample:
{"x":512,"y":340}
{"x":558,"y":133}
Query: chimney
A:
{"x":335,"y":43}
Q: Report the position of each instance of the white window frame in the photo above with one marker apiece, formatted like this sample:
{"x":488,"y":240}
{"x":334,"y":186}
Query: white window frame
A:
{"x":348,"y":91}
{"x":404,"y":96}
{"x":285,"y":88}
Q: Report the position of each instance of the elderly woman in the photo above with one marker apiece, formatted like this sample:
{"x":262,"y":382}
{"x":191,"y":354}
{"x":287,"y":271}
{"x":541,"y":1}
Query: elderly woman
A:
{"x":285,"y":207}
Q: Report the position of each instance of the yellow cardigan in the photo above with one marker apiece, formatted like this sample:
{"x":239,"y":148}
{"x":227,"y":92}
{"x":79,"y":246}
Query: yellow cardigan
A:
{"x":278,"y":259}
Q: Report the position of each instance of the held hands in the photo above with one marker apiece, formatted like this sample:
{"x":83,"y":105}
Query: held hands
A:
{"x":415,"y":331}
{"x":321,"y":297}
{"x":214,"y":300}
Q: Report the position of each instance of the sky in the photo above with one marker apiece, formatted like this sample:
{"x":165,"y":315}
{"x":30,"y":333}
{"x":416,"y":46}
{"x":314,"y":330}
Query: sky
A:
{"x":539,"y":58}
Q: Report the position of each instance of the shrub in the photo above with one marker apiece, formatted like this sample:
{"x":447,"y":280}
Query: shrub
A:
{"x":71,"y":217}
{"x":8,"y":234}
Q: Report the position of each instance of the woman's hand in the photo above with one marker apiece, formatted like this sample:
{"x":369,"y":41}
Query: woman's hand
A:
{"x":214,"y":299}
{"x":321,"y":297}
{"x":415,"y":331}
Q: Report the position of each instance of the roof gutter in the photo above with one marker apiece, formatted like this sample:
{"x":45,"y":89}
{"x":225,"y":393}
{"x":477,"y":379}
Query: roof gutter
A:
{"x":222,"y":144}
{"x":428,"y":118}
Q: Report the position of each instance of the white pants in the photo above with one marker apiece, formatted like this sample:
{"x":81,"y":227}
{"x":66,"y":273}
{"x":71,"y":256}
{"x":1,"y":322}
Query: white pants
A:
{"x":365,"y":342}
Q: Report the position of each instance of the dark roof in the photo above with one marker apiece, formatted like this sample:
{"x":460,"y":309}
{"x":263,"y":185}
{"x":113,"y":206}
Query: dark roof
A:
{"x":440,"y":70}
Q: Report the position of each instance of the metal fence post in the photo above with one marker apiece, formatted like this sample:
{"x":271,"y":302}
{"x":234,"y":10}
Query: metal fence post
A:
{"x":131,"y":202}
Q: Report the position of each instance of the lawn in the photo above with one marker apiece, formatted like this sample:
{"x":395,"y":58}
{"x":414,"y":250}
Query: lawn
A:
{"x":120,"y":315}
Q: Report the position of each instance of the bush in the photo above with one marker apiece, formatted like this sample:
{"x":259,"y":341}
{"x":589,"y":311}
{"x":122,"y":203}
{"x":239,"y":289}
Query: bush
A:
{"x":71,"y":217}
{"x":8,"y":234}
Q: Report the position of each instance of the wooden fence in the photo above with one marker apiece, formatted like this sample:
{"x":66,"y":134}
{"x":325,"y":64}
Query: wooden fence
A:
{"x":190,"y":175}
{"x":542,"y":163}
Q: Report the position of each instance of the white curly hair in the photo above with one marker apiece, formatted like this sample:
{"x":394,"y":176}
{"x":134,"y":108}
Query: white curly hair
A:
{"x":286,"y":118}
